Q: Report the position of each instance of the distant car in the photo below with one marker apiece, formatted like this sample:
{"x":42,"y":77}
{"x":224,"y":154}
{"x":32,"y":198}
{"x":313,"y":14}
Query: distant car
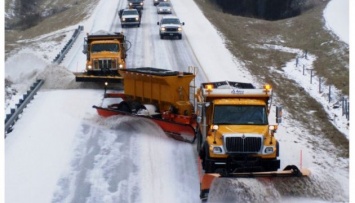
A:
{"x":170,"y":26}
{"x":130,"y":17}
{"x":136,"y":4}
{"x":156,"y":2}
{"x":164,"y":7}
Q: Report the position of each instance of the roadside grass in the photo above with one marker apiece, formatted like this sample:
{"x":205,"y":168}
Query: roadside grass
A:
{"x":305,"y":32}
{"x":66,"y":13}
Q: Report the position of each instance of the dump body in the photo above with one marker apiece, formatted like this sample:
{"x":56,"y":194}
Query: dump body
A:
{"x":168,"y":90}
{"x":235,"y":132}
{"x":105,"y":55}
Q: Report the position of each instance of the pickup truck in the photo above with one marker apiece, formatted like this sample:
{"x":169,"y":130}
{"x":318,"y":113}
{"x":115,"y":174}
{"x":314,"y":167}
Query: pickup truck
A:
{"x":170,"y":26}
{"x":136,"y":4}
{"x":130,"y":17}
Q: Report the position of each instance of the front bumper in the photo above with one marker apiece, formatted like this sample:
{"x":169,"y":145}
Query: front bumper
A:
{"x":241,"y":164}
{"x":131,"y":23}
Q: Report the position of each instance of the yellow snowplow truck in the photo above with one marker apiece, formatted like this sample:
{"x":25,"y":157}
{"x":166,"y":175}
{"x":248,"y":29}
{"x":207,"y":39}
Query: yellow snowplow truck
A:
{"x":234,"y":134}
{"x":234,"y":137}
{"x":105,"y":55}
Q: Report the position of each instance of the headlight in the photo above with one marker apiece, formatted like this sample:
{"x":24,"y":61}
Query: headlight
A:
{"x":130,"y":4}
{"x":162,"y":28}
{"x":268,"y":150}
{"x":89,"y":67}
{"x":217,"y":150}
{"x":123,"y":19}
{"x":141,"y":3}
{"x":137,"y":18}
{"x":179,"y":29}
{"x":121,"y":65}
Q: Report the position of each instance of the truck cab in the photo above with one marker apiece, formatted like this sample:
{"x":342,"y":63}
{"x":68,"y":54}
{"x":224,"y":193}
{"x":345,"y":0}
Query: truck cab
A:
{"x":234,"y":134}
{"x":106,"y":53}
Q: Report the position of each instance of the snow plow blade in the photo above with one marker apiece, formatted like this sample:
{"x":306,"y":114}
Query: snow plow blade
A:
{"x":289,"y":171}
{"x":177,"y":131}
{"x":83,"y":77}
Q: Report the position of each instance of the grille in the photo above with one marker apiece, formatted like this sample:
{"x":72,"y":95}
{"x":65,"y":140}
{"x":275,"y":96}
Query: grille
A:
{"x":130,"y":19}
{"x":105,"y":65}
{"x":171,"y":29}
{"x":240,"y":145}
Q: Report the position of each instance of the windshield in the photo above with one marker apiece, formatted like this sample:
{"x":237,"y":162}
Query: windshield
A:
{"x":104,"y":47}
{"x":170,"y":21}
{"x":130,"y":12}
{"x":240,"y":115}
{"x":164,"y":4}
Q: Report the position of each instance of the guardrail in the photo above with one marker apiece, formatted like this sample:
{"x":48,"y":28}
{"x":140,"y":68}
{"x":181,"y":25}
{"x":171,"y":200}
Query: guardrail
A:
{"x":26,"y":98}
{"x":59,"y":58}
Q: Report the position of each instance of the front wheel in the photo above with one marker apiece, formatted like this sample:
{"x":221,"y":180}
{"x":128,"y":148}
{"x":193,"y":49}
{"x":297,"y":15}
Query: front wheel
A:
{"x":199,"y":140}
{"x":208,"y":166}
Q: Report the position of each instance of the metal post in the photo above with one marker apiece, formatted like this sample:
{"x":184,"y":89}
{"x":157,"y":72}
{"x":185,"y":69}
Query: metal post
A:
{"x":347,"y":110}
{"x":303,"y":69}
{"x":320,"y":86}
{"x":343,"y":106}
{"x":329,"y":96}
{"x":311,"y":75}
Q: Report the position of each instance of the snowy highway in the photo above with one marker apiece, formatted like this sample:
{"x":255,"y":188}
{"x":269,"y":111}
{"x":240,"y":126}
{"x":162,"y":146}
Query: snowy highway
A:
{"x":60,"y":150}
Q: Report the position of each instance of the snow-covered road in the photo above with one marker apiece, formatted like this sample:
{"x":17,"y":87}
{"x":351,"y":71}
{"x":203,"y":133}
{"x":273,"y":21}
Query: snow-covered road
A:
{"x":62,"y":151}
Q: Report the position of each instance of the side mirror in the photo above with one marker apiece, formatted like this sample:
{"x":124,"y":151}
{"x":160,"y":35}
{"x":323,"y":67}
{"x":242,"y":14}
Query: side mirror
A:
{"x":85,"y":49}
{"x":199,"y":113}
{"x":199,"y":119}
{"x":278,"y":114}
{"x":182,"y":23}
{"x":157,"y":23}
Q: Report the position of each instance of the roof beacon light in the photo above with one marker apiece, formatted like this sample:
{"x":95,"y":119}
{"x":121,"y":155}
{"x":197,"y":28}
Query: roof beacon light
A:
{"x":209,"y":88}
{"x":267,"y":88}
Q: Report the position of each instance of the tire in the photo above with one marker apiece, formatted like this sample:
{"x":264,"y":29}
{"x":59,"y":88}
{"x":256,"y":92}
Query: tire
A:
{"x":161,"y":36}
{"x":199,"y":140}
{"x":122,"y":26}
{"x":277,"y":149}
{"x":180,"y":36}
{"x":206,"y":165}
{"x":125,"y":107}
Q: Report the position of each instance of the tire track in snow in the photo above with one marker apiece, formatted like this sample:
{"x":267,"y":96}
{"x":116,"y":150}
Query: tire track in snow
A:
{"x":124,"y":159}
